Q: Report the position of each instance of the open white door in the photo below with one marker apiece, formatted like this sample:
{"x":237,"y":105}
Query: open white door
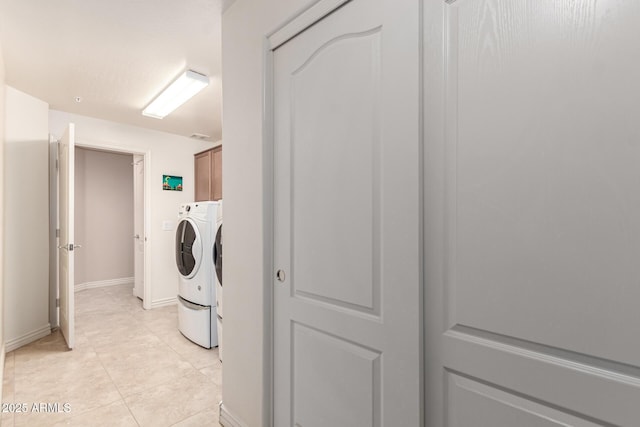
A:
{"x":138,"y":225}
{"x":66,"y":249}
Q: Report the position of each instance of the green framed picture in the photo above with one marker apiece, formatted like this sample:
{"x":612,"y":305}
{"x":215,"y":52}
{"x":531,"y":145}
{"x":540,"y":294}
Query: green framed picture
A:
{"x":171,"y":183}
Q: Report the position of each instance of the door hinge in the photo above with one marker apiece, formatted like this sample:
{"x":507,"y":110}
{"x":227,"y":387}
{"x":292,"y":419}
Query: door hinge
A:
{"x":56,"y":164}
{"x":57,"y":302}
{"x":57,"y":232}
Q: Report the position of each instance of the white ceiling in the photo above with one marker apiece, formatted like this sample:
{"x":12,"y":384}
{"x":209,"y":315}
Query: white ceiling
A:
{"x":116,"y":55}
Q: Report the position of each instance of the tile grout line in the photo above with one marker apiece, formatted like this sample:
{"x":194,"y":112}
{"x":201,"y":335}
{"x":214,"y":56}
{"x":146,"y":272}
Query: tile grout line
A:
{"x":124,"y":402}
{"x":145,"y":326}
{"x":183,"y":358}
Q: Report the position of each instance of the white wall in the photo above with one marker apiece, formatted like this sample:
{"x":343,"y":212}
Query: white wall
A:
{"x":2,"y":110}
{"x":26,"y":219}
{"x":170,"y":155}
{"x":244,"y":27}
{"x":103,"y":216}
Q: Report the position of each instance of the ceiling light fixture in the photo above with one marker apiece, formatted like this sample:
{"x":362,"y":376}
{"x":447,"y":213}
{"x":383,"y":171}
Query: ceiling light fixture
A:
{"x":178,"y":92}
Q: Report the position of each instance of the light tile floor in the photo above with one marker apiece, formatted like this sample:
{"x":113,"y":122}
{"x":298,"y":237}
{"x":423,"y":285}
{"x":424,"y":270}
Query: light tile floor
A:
{"x":130,"y":367}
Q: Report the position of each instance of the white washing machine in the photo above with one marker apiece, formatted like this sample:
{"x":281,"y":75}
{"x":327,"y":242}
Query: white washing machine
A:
{"x":217,"y":262}
{"x":195,"y":234}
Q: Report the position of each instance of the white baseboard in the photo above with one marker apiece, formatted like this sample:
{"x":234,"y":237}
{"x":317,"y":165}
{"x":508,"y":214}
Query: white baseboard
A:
{"x":228,"y":420}
{"x":103,"y":283}
{"x":28,"y":338}
{"x":163,"y":302}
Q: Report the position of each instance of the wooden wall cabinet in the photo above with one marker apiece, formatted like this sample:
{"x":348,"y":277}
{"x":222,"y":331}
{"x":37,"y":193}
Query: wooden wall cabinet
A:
{"x":208,"y":175}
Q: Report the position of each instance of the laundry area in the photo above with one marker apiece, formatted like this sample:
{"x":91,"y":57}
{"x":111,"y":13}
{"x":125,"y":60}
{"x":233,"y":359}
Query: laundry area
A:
{"x":431,"y":213}
{"x":132,"y":338}
{"x":115,"y":317}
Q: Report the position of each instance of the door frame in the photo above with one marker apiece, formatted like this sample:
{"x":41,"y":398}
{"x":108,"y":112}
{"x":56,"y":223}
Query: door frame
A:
{"x":54,"y":225}
{"x":146,"y":302}
{"x":288,"y":29}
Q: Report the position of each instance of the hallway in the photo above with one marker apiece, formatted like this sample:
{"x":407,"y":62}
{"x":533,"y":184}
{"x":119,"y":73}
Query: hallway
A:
{"x":130,"y":367}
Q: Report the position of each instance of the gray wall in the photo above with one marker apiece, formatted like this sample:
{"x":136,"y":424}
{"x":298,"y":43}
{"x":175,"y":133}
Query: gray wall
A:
{"x":244,"y":26}
{"x":104,"y":216}
{"x":2,"y":349}
{"x":26,"y":215}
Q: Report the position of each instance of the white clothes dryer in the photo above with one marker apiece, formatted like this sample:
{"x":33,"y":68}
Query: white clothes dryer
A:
{"x":217,"y":262}
{"x":195,"y":232}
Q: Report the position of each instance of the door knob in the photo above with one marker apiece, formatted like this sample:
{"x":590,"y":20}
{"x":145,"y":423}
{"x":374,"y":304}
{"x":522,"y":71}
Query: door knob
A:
{"x":69,"y":247}
{"x":280,"y":275}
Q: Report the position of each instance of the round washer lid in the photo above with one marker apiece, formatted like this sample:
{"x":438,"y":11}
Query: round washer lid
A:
{"x":188,"y":248}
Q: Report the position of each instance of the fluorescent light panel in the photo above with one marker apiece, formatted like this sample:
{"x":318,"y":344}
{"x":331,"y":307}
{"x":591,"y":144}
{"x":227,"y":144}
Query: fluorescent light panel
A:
{"x":178,"y":92}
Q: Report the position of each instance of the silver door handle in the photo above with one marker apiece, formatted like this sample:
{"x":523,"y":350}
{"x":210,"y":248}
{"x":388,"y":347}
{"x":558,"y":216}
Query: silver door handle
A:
{"x":69,"y":247}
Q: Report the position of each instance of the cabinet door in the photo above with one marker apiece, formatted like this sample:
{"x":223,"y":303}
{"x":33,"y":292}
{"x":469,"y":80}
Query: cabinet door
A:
{"x":203,"y":176}
{"x":216,"y":168}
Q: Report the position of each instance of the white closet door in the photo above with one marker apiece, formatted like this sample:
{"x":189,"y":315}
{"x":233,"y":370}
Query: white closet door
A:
{"x":532,"y":256}
{"x":347,"y":219}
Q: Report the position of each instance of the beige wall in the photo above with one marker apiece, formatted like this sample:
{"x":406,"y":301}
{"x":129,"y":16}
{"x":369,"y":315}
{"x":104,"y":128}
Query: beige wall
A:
{"x":2,"y":346}
{"x":26,"y":218}
{"x":244,"y":27}
{"x":103,"y":216}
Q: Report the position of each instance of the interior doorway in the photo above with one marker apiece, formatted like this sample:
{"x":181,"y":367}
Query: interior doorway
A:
{"x":112,"y":174}
{"x":104,"y":218}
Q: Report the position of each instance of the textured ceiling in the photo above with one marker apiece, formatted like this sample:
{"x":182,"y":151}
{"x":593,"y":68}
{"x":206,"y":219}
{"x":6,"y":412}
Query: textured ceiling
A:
{"x":116,"y":55}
